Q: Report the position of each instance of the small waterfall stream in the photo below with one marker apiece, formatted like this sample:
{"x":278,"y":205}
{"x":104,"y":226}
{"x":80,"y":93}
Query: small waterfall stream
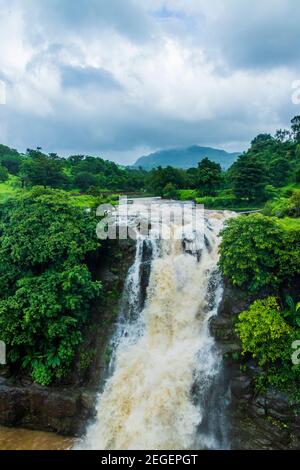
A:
{"x":165,"y":389}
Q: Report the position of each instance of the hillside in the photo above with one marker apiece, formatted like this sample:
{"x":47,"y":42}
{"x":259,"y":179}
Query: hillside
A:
{"x":186,"y":157}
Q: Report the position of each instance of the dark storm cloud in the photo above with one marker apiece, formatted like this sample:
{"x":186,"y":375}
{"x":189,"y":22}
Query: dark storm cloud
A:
{"x":125,"y":133}
{"x":94,"y":76}
{"x":259,"y":34}
{"x":77,"y":77}
{"x":76,"y":16}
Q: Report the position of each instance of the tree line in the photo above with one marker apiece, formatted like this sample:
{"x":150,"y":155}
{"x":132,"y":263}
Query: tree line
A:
{"x":271,"y":162}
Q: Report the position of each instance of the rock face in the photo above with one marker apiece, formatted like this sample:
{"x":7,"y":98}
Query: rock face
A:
{"x":67,"y":406}
{"x":42,"y":408}
{"x":257,"y":421}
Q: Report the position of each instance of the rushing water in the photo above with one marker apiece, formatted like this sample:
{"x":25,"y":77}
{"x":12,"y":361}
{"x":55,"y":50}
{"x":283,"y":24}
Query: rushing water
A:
{"x":166,"y":389}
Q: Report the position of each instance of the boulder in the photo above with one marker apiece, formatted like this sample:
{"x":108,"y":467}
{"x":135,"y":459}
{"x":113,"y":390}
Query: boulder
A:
{"x":64,"y":411}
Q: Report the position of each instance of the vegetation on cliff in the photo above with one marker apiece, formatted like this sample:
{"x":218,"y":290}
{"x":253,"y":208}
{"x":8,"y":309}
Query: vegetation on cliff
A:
{"x":261,"y":254}
{"x":46,"y":285}
{"x":268,"y":332}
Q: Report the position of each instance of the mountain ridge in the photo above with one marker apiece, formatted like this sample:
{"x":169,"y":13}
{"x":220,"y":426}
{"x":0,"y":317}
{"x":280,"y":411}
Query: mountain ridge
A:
{"x":186,"y":157}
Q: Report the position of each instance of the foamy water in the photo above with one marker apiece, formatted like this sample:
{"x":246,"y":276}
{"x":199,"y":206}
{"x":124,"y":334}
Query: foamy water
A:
{"x":165,"y":352}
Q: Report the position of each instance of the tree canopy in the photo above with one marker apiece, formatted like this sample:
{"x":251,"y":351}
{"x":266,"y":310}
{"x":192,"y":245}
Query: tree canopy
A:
{"x":46,"y":286}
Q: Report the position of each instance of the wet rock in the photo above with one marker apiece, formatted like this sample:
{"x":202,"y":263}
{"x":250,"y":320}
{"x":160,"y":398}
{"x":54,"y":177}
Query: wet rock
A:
{"x":207,"y":244}
{"x":127,"y":245}
{"x":88,"y":401}
{"x":257,"y":421}
{"x":37,"y":407}
{"x":240,"y":385}
{"x":145,"y":270}
{"x":108,"y":277}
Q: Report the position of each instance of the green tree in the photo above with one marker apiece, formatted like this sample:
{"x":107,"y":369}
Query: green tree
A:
{"x":39,"y":169}
{"x":296,"y":128}
{"x":268,"y":338}
{"x":3,"y":174}
{"x":263,"y":332}
{"x":257,"y":252}
{"x":46,"y":285}
{"x":248,"y":177}
{"x":159,"y":178}
{"x":279,"y":171}
{"x":283,"y":135}
{"x":209,"y":177}
{"x":85,"y":180}
{"x":169,"y":191}
{"x":10,"y":159}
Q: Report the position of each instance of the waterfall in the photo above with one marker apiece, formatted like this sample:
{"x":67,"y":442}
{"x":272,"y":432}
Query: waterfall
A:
{"x":165,"y":388}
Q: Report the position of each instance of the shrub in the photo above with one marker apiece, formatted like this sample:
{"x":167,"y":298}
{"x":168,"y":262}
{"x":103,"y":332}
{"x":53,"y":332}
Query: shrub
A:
{"x":169,"y":191}
{"x":46,"y":286}
{"x":249,"y":251}
{"x":85,"y":180}
{"x":218,"y":202}
{"x":267,"y":337}
{"x":256,"y":251}
{"x":187,"y":194}
{"x":3,"y":174}
{"x":284,"y":206}
{"x":263,"y":331}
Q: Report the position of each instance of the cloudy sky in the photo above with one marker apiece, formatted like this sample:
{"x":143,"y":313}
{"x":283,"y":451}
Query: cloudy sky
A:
{"x":121,"y":78}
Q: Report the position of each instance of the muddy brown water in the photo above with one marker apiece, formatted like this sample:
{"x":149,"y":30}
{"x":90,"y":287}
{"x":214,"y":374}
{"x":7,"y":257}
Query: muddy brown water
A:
{"x":22,"y":439}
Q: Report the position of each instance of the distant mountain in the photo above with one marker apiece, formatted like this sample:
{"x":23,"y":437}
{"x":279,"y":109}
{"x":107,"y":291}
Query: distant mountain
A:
{"x":186,"y":157}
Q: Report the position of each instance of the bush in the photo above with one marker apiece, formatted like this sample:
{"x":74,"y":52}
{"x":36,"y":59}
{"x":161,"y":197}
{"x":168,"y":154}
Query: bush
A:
{"x":3,"y":174}
{"x":186,"y":194}
{"x":284,"y":206}
{"x":85,"y":180}
{"x":170,"y":191}
{"x":218,"y":202}
{"x":267,"y":337}
{"x":263,"y":332}
{"x":46,"y":286}
{"x":257,"y":252}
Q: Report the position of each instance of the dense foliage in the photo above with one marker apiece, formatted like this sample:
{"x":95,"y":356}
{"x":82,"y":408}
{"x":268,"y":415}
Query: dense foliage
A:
{"x":208,"y":177}
{"x":284,"y":206}
{"x":263,"y":331}
{"x":271,"y":162}
{"x":248,"y":176}
{"x":46,"y":286}
{"x":10,"y":159}
{"x":3,"y":174}
{"x":257,"y":252}
{"x":267,"y":336}
{"x":47,"y":238}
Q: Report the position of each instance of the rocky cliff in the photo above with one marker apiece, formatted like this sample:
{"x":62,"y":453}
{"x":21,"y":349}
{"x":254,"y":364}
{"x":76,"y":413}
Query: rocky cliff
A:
{"x":257,"y":421}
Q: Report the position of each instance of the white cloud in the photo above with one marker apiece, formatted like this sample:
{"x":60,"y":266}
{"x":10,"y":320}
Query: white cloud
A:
{"x":164,"y":82}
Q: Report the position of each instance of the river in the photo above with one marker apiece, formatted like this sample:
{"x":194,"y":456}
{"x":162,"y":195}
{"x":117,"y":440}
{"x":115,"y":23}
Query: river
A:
{"x":22,"y":439}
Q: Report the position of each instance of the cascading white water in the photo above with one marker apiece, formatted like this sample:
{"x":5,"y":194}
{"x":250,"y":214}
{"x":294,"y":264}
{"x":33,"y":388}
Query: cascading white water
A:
{"x":165,"y":361}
